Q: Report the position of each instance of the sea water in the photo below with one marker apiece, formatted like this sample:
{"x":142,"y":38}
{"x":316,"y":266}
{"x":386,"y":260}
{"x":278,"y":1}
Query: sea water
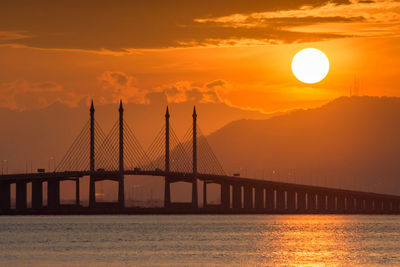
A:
{"x":199,"y":240}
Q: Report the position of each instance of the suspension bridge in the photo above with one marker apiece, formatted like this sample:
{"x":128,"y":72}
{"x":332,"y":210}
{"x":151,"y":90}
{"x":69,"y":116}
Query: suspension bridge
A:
{"x":118,"y":153}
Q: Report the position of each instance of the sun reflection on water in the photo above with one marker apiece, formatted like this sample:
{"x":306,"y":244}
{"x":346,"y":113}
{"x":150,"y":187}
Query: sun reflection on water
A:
{"x":317,"y":240}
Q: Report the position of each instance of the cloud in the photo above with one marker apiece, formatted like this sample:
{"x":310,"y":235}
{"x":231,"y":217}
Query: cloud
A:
{"x":216,"y":83}
{"x":185,"y":91}
{"x":112,"y":86}
{"x":164,"y":24}
{"x":115,"y":85}
{"x":12,"y":35}
{"x":23,"y":95}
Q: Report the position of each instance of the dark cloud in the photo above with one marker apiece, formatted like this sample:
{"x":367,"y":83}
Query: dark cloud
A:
{"x":215,"y":83}
{"x":302,"y":21}
{"x":120,"y":78}
{"x":121,"y":25}
{"x":117,"y":85}
{"x":27,"y":95}
{"x":49,"y":86}
{"x":156,"y":98}
{"x":194,"y":95}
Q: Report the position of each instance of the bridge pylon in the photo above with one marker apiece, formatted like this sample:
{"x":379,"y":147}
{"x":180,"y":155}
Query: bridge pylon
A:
{"x":121,"y":187}
{"x":92,"y":186}
{"x":167,"y":189}
{"x":194,"y":181}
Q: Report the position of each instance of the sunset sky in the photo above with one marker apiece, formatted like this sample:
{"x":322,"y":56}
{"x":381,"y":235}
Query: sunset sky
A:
{"x":234,"y":52}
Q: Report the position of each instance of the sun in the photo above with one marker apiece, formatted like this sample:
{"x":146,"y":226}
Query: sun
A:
{"x":310,"y":65}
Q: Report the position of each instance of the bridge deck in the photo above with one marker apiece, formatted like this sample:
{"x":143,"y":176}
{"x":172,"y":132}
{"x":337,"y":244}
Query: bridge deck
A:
{"x":110,"y":175}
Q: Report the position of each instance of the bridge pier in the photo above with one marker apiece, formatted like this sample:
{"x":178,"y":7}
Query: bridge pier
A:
{"x":350,"y":204}
{"x":237,"y":196}
{"x":269,"y":199}
{"x":291,"y":200}
{"x":331,"y":199}
{"x":53,"y":194}
{"x":5,"y":196}
{"x":77,"y":193}
{"x":341,"y":205}
{"x":301,"y":201}
{"x":37,"y":194}
{"x":259,"y":197}
{"x":20,"y":195}
{"x":321,"y":202}
{"x":369,"y":202}
{"x":280,"y":199}
{"x":359,"y":205}
{"x":248,"y":197}
{"x":195,"y":204}
{"x":121,"y":191}
{"x":225,"y":196}
{"x":396,"y":206}
{"x":387,"y":206}
{"x":167,"y":192}
{"x":205,"y":194}
{"x":312,"y":201}
{"x":92,"y":192}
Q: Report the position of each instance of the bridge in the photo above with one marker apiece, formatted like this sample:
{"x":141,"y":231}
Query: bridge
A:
{"x":117,"y":154}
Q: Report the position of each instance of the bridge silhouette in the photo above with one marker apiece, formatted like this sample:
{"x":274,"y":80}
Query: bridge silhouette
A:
{"x":114,"y":155}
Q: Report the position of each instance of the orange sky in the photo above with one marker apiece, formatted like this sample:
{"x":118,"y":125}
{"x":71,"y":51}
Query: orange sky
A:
{"x":234,"y":52}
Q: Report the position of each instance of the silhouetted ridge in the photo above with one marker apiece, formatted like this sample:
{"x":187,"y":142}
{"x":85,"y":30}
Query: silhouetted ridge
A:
{"x":349,"y":143}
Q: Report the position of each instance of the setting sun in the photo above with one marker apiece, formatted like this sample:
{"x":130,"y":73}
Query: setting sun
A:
{"x":310,"y":65}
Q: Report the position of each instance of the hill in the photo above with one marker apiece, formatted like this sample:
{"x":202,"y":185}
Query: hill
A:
{"x":347,"y":143}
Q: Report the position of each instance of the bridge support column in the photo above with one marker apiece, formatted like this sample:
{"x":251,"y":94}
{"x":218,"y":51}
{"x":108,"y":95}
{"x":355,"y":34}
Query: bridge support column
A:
{"x":331,"y":202}
{"x":387,"y":206}
{"x":396,"y":206}
{"x":280,"y":199}
{"x":225,"y":196}
{"x":270,"y":199}
{"x":194,"y":194}
{"x":5,"y":196}
{"x":205,"y":194}
{"x":301,"y":201}
{"x":167,"y":193}
{"x":37,"y":194}
{"x":369,"y":208}
{"x":53,"y":194}
{"x":237,"y":196}
{"x":121,"y":190}
{"x":92,"y":192}
{"x":312,"y":201}
{"x":341,"y":203}
{"x":359,"y":205}
{"x":350,"y":204}
{"x":291,"y":200}
{"x":20,"y":195}
{"x":321,"y":202}
{"x":77,"y":193}
{"x":248,"y":197}
{"x":259,"y":197}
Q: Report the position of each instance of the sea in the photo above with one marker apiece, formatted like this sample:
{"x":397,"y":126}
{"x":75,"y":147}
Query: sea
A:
{"x":200,"y":240}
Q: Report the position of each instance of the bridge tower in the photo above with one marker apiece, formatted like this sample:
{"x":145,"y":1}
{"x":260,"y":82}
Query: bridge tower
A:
{"x":167,"y":190}
{"x":92,"y":187}
{"x":194,"y":181}
{"x":121,"y":187}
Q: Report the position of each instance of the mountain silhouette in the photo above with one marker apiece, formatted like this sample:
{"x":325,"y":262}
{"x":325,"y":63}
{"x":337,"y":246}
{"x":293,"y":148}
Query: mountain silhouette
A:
{"x":351,"y":143}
